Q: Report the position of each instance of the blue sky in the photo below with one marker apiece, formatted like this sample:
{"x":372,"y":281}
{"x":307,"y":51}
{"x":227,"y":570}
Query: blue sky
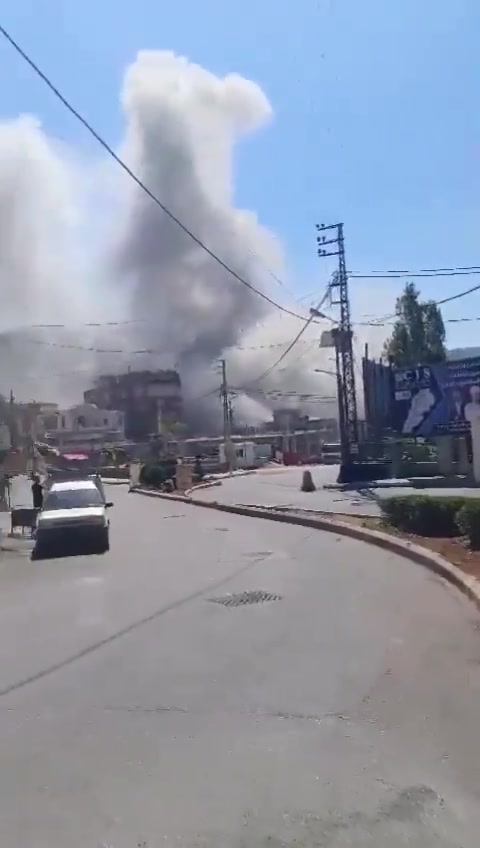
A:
{"x":377,"y":118}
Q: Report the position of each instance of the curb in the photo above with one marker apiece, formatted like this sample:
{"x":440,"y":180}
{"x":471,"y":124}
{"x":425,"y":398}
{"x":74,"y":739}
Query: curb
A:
{"x":210,"y":485}
{"x":321,"y":513}
{"x":468,"y":585}
{"x":368,"y":484}
{"x":116,"y":481}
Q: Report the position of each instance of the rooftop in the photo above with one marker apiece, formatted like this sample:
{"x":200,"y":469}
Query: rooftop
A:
{"x":72,"y":485}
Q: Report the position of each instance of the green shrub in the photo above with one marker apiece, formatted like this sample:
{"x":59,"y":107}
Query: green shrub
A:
{"x":153,"y":475}
{"x":468,"y":522}
{"x":417,"y":452}
{"x":423,"y":515}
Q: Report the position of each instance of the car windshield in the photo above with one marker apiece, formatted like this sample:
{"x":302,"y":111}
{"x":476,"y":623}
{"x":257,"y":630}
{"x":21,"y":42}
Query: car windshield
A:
{"x":73,"y":499}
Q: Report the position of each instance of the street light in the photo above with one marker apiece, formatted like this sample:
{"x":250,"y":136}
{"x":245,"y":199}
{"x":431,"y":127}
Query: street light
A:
{"x":323,"y":371}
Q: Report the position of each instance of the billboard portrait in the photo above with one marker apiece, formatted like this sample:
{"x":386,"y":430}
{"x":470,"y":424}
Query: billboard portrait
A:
{"x":432,"y":400}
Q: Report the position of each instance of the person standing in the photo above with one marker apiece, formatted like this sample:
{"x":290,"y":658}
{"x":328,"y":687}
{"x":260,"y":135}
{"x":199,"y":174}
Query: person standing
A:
{"x":37,"y":493}
{"x":198,"y":468}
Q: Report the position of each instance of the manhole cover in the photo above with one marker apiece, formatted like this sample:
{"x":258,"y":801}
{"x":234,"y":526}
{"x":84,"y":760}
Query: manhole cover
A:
{"x":244,"y":598}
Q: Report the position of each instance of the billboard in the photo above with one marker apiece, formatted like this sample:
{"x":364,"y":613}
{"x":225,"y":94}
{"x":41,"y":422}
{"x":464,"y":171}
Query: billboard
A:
{"x":378,"y":394}
{"x":432,"y":400}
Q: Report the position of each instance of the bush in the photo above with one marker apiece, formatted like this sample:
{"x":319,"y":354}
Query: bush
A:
{"x":153,"y":475}
{"x":468,"y":522}
{"x":424,"y":515}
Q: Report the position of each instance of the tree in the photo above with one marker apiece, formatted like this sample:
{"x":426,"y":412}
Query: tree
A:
{"x":419,"y":332}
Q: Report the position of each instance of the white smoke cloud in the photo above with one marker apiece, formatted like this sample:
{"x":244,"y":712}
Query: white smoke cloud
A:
{"x":80,"y":242}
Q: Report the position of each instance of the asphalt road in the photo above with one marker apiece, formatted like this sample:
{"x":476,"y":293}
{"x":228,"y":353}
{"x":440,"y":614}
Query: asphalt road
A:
{"x":281,"y":486}
{"x":135,"y":711}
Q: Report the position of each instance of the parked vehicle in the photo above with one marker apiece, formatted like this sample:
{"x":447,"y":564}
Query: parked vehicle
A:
{"x":73,"y":517}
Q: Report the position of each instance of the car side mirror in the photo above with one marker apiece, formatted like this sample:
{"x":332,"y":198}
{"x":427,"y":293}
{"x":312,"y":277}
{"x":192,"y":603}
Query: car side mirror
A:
{"x":108,"y":504}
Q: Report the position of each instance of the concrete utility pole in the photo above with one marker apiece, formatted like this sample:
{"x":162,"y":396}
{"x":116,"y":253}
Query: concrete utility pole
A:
{"x":230,"y":414}
{"x":227,"y":419}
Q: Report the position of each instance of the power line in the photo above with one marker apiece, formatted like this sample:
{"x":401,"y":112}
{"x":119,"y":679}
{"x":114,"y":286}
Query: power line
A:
{"x":460,"y":271}
{"x":457,"y":296}
{"x":291,"y":345}
{"x":392,"y":323}
{"x":147,"y":351}
{"x":137,"y":180}
{"x":385,"y":322}
{"x":436,"y":302}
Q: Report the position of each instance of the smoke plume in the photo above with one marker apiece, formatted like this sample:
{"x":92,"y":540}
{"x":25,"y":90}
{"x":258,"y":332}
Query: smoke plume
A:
{"x":81,"y":243}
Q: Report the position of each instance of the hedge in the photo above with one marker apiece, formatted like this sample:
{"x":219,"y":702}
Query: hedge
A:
{"x":153,"y":475}
{"x":468,"y":521}
{"x":435,"y":516}
{"x":425,"y":515}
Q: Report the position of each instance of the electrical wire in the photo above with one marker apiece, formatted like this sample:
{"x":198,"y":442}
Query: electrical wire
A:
{"x":137,"y":180}
{"x":162,"y":352}
{"x":290,"y":347}
{"x":460,"y":271}
{"x":441,"y":302}
{"x":426,"y":272}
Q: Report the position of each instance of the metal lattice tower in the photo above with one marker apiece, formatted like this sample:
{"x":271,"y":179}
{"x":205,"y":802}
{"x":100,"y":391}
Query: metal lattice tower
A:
{"x":342,"y":337}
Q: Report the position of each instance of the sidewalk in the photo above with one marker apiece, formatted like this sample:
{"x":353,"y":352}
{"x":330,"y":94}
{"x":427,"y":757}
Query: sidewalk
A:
{"x":282,"y":491}
{"x":13,"y":544}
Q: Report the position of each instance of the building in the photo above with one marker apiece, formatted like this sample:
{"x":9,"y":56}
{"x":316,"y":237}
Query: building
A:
{"x":21,"y":419}
{"x":85,"y":427}
{"x":290,"y":420}
{"x":152,"y":401}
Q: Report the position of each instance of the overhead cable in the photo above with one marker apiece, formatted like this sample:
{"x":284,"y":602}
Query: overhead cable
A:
{"x":138,"y":181}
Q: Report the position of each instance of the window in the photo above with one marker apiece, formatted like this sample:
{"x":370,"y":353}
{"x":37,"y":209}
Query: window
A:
{"x":73,"y":499}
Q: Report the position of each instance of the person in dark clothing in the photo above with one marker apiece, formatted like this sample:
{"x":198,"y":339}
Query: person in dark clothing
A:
{"x":172,"y":472}
{"x":198,"y":468}
{"x":37,"y":493}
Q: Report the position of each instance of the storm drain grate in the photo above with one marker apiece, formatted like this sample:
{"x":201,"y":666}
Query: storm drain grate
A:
{"x":244,"y":598}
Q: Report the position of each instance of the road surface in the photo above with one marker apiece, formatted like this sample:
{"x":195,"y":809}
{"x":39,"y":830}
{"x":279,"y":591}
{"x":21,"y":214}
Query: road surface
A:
{"x":281,"y":486}
{"x":135,"y":710}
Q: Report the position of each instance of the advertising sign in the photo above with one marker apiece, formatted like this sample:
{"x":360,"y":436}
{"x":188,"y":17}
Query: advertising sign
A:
{"x":432,"y":400}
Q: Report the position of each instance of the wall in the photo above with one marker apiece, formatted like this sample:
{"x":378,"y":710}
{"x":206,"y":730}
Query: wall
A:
{"x":146,"y":397}
{"x":82,"y":417}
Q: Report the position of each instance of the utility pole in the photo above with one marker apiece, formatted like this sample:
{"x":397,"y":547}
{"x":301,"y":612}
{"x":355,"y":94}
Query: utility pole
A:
{"x":12,"y":424}
{"x":227,"y":418}
{"x":342,"y":339}
{"x":230,"y":414}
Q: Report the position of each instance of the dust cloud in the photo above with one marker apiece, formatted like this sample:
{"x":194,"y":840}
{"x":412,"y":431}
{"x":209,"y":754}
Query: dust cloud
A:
{"x":81,"y":243}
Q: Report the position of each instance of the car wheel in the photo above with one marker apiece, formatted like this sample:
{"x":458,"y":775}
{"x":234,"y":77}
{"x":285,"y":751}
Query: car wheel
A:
{"x":104,"y":544}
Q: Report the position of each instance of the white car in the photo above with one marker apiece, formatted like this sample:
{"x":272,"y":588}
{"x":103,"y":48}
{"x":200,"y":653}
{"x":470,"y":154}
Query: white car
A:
{"x":74,"y":515}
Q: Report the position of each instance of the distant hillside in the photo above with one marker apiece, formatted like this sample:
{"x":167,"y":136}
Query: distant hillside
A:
{"x":463,"y":352}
